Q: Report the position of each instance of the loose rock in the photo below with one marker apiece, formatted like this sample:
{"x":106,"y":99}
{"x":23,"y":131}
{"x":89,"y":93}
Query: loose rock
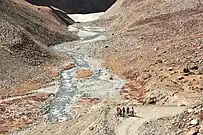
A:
{"x":194,"y":122}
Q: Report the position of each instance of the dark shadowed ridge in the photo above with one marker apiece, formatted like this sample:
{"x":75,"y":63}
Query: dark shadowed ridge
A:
{"x":77,"y":6}
{"x":63,"y":17}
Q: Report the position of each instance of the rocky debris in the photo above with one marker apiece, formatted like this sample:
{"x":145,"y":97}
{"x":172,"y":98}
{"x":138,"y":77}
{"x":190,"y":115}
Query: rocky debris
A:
{"x":106,"y":46}
{"x":152,"y":100}
{"x":170,"y":69}
{"x":21,"y":112}
{"x":160,"y":96}
{"x":89,"y":100}
{"x":180,"y":78}
{"x":146,"y":76}
{"x":187,"y":123}
{"x":107,"y":124}
{"x":192,"y":66}
{"x":158,"y":127}
{"x":98,"y":120}
{"x":133,"y":90}
{"x":158,"y":61}
{"x":186,"y":70}
{"x":194,"y":122}
{"x":190,"y":110}
{"x":186,"y":74}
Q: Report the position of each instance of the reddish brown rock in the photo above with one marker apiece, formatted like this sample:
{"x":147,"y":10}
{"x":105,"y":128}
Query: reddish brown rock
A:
{"x":83,"y":73}
{"x":89,"y":100}
{"x":68,"y":66}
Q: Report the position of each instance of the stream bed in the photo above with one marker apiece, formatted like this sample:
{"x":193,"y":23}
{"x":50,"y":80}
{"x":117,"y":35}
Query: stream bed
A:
{"x":101,"y":84}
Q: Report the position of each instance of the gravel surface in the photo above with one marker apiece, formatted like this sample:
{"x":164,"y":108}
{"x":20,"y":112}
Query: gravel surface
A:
{"x":188,"y":122}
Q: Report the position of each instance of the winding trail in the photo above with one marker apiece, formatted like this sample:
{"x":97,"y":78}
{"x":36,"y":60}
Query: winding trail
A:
{"x":130,"y":126}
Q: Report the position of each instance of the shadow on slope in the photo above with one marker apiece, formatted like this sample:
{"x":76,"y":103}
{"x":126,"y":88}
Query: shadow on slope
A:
{"x":77,"y":6}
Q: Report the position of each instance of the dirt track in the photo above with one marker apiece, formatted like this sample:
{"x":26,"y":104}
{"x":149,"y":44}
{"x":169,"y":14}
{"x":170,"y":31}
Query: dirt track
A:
{"x":130,"y":126}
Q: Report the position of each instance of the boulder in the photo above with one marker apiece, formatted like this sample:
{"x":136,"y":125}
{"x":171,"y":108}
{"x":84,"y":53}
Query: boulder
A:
{"x":194,"y":122}
{"x":180,"y":78}
{"x":186,"y":70}
{"x":190,"y":110}
{"x":170,"y":68}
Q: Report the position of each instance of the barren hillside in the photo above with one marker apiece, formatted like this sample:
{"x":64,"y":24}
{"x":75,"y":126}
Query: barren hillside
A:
{"x":160,"y":43}
{"x":26,"y":31}
{"x":150,"y":53}
{"x":26,"y":61}
{"x":41,"y":22}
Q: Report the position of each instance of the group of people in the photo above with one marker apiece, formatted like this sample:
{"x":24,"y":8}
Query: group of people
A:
{"x":123,"y":112}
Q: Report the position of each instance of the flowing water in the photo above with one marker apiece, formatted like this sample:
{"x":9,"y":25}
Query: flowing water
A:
{"x":101,"y":85}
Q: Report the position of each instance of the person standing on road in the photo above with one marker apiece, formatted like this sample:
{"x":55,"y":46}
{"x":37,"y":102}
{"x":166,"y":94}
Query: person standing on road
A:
{"x":128,"y":110}
{"x":119,"y":112}
{"x":123,"y":111}
{"x":132,"y":112}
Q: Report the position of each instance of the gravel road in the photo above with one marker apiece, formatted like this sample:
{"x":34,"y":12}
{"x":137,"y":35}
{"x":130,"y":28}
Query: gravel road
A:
{"x":130,"y":126}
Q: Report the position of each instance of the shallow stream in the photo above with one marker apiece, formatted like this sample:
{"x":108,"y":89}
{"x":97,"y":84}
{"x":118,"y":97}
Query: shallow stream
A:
{"x":101,"y":85}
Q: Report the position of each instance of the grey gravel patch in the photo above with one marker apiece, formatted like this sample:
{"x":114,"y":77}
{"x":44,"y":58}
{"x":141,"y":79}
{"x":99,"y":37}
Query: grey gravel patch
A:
{"x":158,"y":127}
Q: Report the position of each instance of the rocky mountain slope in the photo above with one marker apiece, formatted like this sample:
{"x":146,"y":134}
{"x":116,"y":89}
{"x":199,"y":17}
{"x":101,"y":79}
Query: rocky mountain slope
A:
{"x":26,"y":60}
{"x":156,"y":47}
{"x":26,"y":33}
{"x":162,"y":50}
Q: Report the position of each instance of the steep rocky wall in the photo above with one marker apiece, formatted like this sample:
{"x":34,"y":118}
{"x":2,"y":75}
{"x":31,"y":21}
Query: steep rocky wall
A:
{"x":77,"y":6}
